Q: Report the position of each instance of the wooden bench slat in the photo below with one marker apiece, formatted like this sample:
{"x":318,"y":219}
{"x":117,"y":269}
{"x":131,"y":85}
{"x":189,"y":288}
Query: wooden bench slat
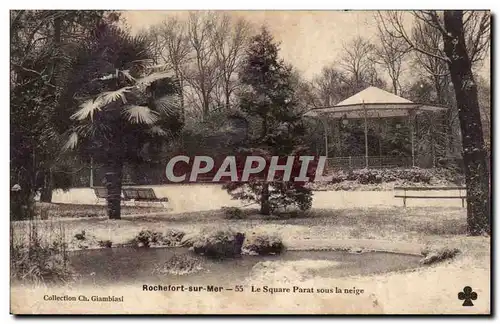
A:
{"x":130,"y":193}
{"x":405,"y":196}
{"x":144,"y":194}
{"x":430,"y":197}
{"x":429,"y":188}
{"x":101,"y":192}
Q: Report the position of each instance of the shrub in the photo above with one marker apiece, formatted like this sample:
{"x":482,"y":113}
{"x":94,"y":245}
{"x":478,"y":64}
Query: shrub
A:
{"x":376,"y":176}
{"x":233,"y":213}
{"x":282,"y":194}
{"x":264,"y":244}
{"x":438,"y":254}
{"x":39,"y":259}
{"x":173,"y":237}
{"x":368,"y":176}
{"x":414,"y":175}
{"x":147,"y":237}
{"x":219,"y":243}
{"x":179,"y":265}
{"x":105,"y":243}
{"x":339,"y":176}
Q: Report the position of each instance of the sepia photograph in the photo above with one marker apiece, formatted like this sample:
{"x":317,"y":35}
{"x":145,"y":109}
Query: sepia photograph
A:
{"x":250,"y":162}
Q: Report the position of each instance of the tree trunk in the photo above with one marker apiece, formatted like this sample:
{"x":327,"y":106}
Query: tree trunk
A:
{"x":395,"y":86}
{"x":265,"y":208}
{"x":437,"y":87}
{"x":181,"y":93}
{"x":114,"y":188}
{"x":228,"y":97}
{"x":183,"y":110}
{"x":46,"y":193}
{"x":474,"y":153}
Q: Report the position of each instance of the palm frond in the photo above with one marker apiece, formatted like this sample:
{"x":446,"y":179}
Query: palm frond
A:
{"x":87,"y":109}
{"x":71,"y":142}
{"x":168,"y":105}
{"x":147,"y":80}
{"x":127,"y":74}
{"x":140,"y":114}
{"x":111,"y":96}
{"x":144,"y":61}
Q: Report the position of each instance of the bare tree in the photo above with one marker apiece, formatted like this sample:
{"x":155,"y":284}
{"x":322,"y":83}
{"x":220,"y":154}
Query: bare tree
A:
{"x":171,"y":50}
{"x":176,"y":51}
{"x":330,"y":87}
{"x":230,"y":40}
{"x":155,"y":43}
{"x":436,"y":70}
{"x":390,"y":53}
{"x":484,"y":97}
{"x":204,"y":74}
{"x":431,"y":40}
{"x":465,"y":39}
{"x":356,"y":59}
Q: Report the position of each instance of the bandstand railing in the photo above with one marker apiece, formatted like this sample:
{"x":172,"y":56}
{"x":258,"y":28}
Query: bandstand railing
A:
{"x":359,"y":162}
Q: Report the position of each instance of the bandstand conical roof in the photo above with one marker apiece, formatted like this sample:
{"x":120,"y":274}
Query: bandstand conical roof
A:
{"x":373,"y":102}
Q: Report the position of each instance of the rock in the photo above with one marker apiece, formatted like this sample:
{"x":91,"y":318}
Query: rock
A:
{"x":219,"y":243}
{"x":188,"y":239}
{"x":106,"y":243}
{"x":80,"y":236}
{"x":264,"y":244}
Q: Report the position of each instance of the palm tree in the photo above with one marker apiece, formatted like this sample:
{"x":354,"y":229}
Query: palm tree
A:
{"x":123,"y":104}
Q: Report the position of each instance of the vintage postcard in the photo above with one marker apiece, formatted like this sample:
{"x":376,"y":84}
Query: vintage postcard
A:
{"x":250,"y":162}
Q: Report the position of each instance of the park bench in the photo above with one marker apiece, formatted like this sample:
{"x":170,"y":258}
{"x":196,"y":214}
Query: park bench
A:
{"x":102,"y":194}
{"x":142,"y":194}
{"x":405,"y":196}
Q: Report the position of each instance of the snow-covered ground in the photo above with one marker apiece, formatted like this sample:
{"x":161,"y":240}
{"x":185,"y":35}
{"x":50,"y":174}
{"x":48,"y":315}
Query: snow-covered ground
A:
{"x":203,"y":197}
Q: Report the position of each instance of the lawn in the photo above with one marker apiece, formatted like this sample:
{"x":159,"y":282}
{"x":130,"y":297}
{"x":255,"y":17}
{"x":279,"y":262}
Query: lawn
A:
{"x":397,"y":224}
{"x":55,"y":211}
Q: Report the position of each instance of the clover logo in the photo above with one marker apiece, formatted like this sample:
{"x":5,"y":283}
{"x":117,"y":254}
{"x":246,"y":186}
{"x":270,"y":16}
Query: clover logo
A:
{"x":467,"y":295}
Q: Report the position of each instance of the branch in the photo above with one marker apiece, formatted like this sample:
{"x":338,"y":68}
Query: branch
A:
{"x":35,"y":72}
{"x":398,"y":26}
{"x":478,"y":43}
{"x":434,"y":21}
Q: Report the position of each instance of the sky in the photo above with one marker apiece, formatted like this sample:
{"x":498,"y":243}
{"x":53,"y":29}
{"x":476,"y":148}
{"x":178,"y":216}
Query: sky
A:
{"x":309,"y":40}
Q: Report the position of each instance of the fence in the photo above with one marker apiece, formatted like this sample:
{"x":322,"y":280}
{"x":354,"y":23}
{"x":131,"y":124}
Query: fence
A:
{"x":359,"y":162}
{"x":139,"y":175}
{"x":155,"y":174}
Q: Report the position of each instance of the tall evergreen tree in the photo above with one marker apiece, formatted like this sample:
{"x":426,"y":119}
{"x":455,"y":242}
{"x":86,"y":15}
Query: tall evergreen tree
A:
{"x":268,"y":96}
